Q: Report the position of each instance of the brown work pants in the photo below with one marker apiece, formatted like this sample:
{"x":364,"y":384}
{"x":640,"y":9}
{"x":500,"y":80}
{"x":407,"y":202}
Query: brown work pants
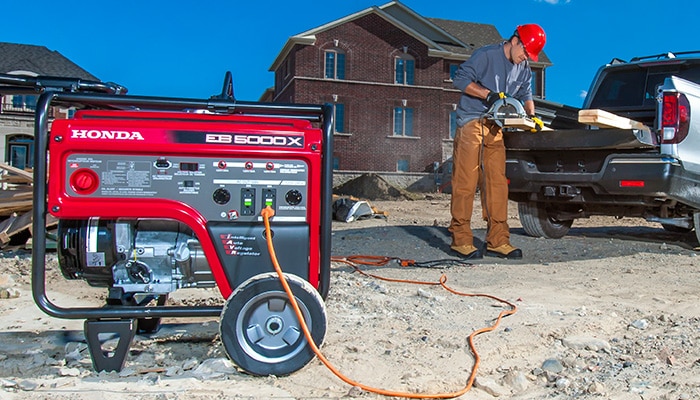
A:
{"x":479,"y":159}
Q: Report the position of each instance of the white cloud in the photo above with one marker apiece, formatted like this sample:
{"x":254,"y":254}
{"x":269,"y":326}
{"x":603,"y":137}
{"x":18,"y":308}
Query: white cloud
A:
{"x":555,"y":1}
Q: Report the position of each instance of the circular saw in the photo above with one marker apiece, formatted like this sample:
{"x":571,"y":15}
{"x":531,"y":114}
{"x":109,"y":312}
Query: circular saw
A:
{"x":505,"y":108}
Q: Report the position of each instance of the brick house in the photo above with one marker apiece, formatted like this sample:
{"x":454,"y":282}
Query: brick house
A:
{"x":387,"y":71}
{"x":17,"y":110}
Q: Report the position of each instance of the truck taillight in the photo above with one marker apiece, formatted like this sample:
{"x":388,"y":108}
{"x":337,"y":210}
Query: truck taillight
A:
{"x":675,"y":115}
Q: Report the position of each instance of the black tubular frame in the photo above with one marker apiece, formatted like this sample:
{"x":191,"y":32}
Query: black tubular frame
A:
{"x":113,"y":100}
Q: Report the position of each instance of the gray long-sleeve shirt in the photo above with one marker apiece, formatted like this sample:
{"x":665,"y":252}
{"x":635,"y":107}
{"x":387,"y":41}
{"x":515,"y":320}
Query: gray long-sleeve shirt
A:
{"x":489,"y":67}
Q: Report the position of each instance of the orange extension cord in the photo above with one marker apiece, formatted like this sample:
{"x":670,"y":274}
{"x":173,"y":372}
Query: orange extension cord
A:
{"x":267,"y":213}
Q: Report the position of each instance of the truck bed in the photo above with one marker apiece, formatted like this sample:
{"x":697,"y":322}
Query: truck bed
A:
{"x":580,"y":139}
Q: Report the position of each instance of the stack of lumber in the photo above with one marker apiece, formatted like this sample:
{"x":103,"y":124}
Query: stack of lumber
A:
{"x":604,"y":119}
{"x":16,"y":204}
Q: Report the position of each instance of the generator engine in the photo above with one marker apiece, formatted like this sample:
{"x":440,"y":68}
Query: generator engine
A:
{"x":132,"y":257}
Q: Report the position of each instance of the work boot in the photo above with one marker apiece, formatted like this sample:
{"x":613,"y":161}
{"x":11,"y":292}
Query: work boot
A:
{"x":505,"y":251}
{"x":467,"y":251}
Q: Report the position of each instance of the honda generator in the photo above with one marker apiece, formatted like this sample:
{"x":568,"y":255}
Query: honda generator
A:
{"x":157,"y":194}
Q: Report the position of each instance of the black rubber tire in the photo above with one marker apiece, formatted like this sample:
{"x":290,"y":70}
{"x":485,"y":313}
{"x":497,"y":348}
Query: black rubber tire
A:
{"x":537,"y":223}
{"x":260,"y":331}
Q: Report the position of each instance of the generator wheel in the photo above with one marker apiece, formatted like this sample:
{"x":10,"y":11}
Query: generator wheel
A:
{"x":260,"y":331}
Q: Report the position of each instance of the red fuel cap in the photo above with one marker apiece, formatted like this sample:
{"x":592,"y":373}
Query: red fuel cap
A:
{"x":84,"y":181}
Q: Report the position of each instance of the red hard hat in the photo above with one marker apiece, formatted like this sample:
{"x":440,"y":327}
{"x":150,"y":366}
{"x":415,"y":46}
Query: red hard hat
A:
{"x":533,"y":38}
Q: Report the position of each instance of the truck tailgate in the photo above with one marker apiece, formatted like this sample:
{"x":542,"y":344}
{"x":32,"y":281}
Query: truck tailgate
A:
{"x":580,"y":139}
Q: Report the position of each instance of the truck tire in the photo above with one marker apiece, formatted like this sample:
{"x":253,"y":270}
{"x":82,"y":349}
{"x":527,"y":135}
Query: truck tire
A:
{"x":696,"y":224}
{"x":537,"y":223}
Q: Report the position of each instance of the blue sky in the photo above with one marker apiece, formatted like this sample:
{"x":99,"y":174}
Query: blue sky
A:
{"x":182,"y":48}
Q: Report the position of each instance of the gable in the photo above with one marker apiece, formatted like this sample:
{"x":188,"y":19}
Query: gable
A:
{"x":400,"y":19}
{"x":444,"y":38}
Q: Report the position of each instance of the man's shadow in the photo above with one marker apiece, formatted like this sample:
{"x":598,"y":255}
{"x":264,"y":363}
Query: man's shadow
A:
{"x":422,"y":242}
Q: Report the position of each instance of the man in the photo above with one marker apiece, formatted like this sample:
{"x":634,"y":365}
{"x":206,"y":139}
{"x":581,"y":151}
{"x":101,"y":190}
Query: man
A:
{"x":491,"y":73}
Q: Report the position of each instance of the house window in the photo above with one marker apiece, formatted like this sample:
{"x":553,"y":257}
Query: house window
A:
{"x":335,"y":64}
{"x":24,"y":102}
{"x":19,"y":151}
{"x":453,"y":124}
{"x":404,"y":70}
{"x":339,"y":117}
{"x":536,"y":83}
{"x":287,"y":67}
{"x":402,"y":165}
{"x":336,"y":163}
{"x":403,"y":121}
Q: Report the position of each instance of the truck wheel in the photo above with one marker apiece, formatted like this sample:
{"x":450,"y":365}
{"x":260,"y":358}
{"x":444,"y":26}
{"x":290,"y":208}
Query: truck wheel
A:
{"x":537,"y":223}
{"x":260,"y":331}
{"x":696,"y":224}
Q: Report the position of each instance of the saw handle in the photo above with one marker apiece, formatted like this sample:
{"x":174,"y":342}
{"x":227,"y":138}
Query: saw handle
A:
{"x":539,"y":125}
{"x":492,"y":97}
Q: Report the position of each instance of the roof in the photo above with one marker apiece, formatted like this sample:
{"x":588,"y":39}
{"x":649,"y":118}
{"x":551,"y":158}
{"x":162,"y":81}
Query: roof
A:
{"x":39,"y":60}
{"x":475,"y":35}
{"x":444,"y":38}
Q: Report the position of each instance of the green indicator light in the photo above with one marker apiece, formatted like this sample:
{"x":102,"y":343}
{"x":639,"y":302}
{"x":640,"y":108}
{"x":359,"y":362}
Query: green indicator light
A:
{"x":248,"y":202}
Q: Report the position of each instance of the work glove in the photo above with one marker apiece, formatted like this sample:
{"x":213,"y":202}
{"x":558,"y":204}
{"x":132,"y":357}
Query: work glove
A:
{"x":495,"y":96}
{"x":538,"y":123}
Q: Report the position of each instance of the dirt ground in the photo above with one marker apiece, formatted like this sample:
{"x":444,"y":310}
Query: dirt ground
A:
{"x":610,"y":311}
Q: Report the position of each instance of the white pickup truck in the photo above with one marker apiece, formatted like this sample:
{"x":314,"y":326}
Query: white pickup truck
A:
{"x":649,"y":169}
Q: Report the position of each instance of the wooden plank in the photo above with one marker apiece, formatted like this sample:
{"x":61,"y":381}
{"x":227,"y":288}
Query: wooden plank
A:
{"x":16,"y":203}
{"x":14,"y":179}
{"x":15,"y":225}
{"x":17,"y":195}
{"x":522,"y":123}
{"x":24,"y":174}
{"x":5,"y":227}
{"x":604,"y":119}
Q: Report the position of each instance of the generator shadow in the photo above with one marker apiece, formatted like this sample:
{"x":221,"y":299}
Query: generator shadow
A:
{"x":21,"y":343}
{"x":24,"y":342}
{"x":424,"y":243}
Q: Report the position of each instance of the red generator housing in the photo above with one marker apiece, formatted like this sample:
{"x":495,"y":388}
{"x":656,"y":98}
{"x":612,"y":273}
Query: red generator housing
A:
{"x":158,"y":194}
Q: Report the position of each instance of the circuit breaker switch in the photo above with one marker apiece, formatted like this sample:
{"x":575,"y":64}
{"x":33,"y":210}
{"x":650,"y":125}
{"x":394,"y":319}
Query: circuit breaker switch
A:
{"x":269,"y":198}
{"x":247,"y":201}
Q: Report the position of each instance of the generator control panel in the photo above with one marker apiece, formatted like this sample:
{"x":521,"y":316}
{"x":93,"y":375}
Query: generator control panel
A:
{"x":221,"y":189}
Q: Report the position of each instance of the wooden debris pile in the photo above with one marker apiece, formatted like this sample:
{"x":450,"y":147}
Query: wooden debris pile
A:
{"x":16,"y":205}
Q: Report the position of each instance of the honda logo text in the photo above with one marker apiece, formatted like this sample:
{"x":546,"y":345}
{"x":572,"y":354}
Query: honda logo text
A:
{"x":111,"y":135}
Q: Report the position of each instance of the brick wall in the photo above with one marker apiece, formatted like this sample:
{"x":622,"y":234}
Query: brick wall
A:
{"x":369,"y":94}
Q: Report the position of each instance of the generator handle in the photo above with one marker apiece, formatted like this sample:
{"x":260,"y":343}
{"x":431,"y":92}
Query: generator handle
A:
{"x":24,"y":84}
